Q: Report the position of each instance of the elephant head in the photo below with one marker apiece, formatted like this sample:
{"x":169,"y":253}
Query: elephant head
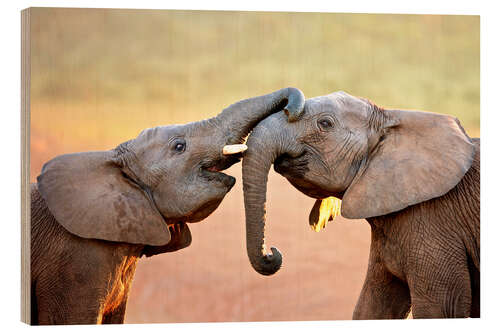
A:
{"x":146,"y":188}
{"x":377,"y":161}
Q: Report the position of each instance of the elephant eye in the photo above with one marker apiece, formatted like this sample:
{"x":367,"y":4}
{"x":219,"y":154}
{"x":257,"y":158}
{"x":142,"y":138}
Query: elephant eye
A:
{"x":179,"y":146}
{"x":325,"y":124}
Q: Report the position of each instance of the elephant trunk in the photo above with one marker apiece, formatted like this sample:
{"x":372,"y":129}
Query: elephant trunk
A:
{"x":240,"y":118}
{"x":267,"y":141}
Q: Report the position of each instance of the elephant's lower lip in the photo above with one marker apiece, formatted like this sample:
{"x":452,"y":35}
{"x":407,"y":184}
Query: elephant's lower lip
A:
{"x":203,"y":211}
{"x":221,"y":177}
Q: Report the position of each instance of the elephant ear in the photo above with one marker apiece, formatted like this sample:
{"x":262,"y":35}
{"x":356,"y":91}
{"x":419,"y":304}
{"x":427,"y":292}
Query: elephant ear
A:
{"x":422,"y":156}
{"x":90,"y":197}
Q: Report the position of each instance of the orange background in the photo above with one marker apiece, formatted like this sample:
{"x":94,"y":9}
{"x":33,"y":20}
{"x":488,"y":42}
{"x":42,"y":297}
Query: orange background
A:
{"x":98,"y":77}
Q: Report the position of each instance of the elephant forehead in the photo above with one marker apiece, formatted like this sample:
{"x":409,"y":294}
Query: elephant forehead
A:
{"x":341,"y":103}
{"x":319,"y":101}
{"x":319,"y":104}
{"x":161,"y":132}
{"x":345,"y":101}
{"x":156,"y":137}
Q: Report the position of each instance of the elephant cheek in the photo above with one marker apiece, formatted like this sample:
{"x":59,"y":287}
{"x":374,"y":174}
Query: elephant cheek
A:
{"x":170,"y":205}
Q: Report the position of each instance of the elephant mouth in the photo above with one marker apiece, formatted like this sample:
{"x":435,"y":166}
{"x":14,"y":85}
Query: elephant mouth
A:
{"x":292,"y":167}
{"x":211,"y":170}
{"x":294,"y":170}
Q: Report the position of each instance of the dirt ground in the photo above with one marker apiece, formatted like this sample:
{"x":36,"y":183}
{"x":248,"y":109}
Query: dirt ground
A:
{"x":212,"y":280}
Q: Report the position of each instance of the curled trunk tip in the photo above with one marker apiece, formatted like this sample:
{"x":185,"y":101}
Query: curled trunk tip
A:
{"x":241,"y":117}
{"x":295,"y":106}
{"x":268,"y":264}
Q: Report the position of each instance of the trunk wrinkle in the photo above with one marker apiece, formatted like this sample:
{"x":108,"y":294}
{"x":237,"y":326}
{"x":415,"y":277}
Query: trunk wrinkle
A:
{"x":264,"y":146}
{"x":240,"y":118}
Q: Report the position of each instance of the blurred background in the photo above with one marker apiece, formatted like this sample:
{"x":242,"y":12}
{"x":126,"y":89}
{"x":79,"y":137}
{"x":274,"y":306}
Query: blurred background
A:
{"x":98,"y":77}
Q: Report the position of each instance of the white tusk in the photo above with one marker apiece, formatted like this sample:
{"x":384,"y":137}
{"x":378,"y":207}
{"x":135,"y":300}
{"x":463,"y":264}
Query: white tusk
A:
{"x":233,"y":149}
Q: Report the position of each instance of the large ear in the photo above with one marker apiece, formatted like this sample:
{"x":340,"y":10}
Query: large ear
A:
{"x":423,"y":156}
{"x":91,"y":198}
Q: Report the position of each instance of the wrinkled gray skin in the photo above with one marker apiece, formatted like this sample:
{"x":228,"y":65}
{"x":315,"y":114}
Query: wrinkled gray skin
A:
{"x":93,"y":214}
{"x":414,"y":176}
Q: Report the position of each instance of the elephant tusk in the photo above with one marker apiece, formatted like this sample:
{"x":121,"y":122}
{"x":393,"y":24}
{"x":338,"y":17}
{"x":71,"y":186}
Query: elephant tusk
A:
{"x":233,"y":149}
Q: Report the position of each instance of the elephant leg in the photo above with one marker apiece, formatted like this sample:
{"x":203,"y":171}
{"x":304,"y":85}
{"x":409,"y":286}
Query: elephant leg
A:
{"x":441,"y":288}
{"x":34,"y":307}
{"x":116,"y":316}
{"x":383,"y":296}
{"x":114,"y":309}
{"x":475,"y":290}
{"x":56,"y":308}
{"x":62,"y":301}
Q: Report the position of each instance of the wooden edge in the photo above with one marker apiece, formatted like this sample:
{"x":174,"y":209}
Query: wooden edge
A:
{"x":25,"y":167}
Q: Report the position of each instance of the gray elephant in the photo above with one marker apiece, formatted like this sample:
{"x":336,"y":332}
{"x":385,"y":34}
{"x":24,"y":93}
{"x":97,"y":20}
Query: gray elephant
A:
{"x":414,"y":176}
{"x":93,"y":214}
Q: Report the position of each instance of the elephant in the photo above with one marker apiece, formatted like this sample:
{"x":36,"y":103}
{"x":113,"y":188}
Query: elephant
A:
{"x":413,"y":175}
{"x":94,"y":214}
